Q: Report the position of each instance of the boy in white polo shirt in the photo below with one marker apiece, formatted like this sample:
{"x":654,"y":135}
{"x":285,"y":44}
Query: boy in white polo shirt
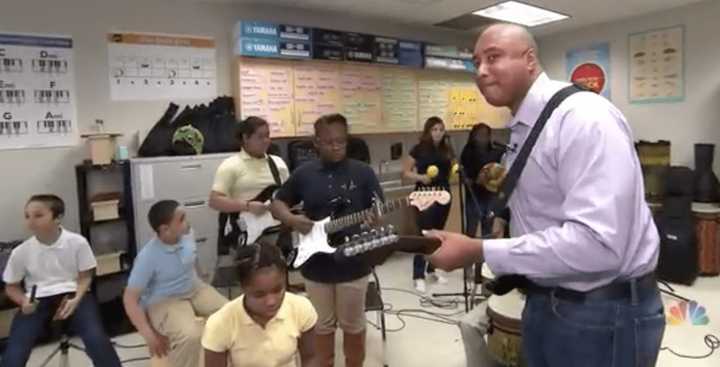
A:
{"x":59,"y":264}
{"x":164,"y":294}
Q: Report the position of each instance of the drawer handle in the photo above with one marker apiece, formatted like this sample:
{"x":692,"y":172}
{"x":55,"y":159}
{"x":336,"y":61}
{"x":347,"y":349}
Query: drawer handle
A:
{"x":191,"y":166}
{"x":195,"y":204}
{"x":201,"y":240}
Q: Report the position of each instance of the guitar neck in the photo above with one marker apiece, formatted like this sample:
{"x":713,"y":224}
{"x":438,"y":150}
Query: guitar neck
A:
{"x":350,"y":220}
{"x":416,"y":244}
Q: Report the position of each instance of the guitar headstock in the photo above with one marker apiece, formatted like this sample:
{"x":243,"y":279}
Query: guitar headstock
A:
{"x":366,"y":242}
{"x":377,"y":245}
{"x":424,"y":198}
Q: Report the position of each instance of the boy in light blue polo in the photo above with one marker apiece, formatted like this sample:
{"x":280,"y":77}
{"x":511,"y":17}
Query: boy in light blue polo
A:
{"x":164,"y":294}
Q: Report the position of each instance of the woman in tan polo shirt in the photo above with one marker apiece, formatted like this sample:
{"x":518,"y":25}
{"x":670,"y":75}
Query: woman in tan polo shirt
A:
{"x":238,"y":181}
{"x":243,"y":176}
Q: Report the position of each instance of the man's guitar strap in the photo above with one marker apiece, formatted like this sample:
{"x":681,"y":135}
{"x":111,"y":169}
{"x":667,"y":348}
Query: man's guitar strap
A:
{"x":511,"y":179}
{"x":506,"y":283}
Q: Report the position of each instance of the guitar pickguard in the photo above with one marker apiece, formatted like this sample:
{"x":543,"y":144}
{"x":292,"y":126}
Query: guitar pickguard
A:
{"x":315,"y":241}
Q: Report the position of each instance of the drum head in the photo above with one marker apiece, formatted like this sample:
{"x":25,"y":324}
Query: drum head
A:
{"x":506,"y":311}
{"x":706,"y":208}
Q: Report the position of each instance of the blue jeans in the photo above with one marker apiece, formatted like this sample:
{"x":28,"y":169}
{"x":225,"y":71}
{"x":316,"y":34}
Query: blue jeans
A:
{"x":85,"y":322}
{"x":617,"y":333}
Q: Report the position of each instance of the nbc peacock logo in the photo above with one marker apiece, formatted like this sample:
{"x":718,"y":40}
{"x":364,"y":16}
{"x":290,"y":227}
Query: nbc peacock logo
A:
{"x":687,"y":312}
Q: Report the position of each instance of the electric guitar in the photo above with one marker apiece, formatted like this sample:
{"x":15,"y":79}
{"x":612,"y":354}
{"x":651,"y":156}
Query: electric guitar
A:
{"x":256,"y":225}
{"x":376,"y":245}
{"x":316,"y":241}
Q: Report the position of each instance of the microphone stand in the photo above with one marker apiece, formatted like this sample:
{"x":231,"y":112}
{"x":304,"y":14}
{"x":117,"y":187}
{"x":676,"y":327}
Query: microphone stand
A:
{"x":464,"y":186}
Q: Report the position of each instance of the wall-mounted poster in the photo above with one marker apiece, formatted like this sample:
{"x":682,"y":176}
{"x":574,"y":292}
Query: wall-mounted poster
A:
{"x":590,"y":67}
{"x":145,"y":66}
{"x":656,"y":71}
{"x":37,"y":91}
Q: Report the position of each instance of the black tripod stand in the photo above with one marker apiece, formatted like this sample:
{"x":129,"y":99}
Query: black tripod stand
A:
{"x":63,"y":349}
{"x":465,"y":186}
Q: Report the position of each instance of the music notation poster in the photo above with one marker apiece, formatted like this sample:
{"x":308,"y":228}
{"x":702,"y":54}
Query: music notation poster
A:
{"x":146,"y":66}
{"x":657,"y":71}
{"x":37,"y":91}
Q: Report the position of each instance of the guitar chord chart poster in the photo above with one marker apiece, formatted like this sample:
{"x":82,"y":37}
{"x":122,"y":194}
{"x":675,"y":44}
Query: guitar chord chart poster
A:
{"x":161,"y":67}
{"x":37,"y":91}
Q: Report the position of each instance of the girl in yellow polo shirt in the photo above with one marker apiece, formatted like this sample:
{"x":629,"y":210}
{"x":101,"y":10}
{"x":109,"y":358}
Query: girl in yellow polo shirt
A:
{"x":265,"y":327}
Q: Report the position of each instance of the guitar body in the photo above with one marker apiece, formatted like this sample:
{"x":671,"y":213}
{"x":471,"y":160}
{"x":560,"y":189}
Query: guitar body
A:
{"x":256,"y":225}
{"x":315,"y":241}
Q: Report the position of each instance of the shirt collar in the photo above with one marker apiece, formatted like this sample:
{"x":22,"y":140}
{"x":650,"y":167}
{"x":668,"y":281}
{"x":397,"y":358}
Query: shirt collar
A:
{"x":244,"y":156}
{"x":58,"y":242}
{"x":333,"y":166}
{"x":533,"y":103}
{"x":282,"y":313}
{"x":171,"y":248}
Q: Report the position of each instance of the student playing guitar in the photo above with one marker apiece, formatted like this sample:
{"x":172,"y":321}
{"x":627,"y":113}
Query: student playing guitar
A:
{"x":241,"y":178}
{"x":339,"y":186}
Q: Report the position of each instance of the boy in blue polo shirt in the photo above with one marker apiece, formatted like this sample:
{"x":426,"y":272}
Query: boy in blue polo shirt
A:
{"x":164,"y":294}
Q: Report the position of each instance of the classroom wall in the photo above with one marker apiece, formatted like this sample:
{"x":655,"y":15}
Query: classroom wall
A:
{"x":52,"y":170}
{"x":695,"y":120}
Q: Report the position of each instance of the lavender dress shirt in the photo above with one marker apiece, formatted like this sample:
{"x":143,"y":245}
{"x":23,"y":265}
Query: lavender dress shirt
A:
{"x":579,"y":217}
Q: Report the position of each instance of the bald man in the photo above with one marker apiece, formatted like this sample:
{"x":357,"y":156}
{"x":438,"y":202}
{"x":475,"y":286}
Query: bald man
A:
{"x":581,"y":231}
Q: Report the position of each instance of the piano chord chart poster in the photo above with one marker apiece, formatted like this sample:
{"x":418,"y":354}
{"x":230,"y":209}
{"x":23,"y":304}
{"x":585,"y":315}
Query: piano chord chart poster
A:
{"x":37,"y":91}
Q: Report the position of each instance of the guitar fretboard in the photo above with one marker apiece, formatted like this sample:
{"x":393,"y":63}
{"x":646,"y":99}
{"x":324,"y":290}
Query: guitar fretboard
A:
{"x":350,"y":220}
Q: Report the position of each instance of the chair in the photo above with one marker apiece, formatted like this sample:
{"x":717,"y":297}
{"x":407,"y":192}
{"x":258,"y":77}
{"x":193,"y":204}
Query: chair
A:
{"x":374,"y":302}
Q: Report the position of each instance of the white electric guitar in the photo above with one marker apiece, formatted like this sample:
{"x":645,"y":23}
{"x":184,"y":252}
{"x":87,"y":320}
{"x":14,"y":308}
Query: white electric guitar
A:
{"x":255,"y":225}
{"x":316,"y":241}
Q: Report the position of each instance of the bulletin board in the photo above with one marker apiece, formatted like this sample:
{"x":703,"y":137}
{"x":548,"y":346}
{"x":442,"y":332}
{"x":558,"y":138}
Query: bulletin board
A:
{"x":292,"y":94}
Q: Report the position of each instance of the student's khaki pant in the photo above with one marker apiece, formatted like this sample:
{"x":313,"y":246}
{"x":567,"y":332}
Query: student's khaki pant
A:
{"x":341,"y":304}
{"x":177,"y":320}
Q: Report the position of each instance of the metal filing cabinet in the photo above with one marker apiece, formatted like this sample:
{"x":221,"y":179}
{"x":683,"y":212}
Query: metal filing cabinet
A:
{"x":188,"y":180}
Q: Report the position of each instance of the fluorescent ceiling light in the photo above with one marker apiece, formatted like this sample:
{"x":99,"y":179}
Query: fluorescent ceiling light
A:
{"x":520,"y":13}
